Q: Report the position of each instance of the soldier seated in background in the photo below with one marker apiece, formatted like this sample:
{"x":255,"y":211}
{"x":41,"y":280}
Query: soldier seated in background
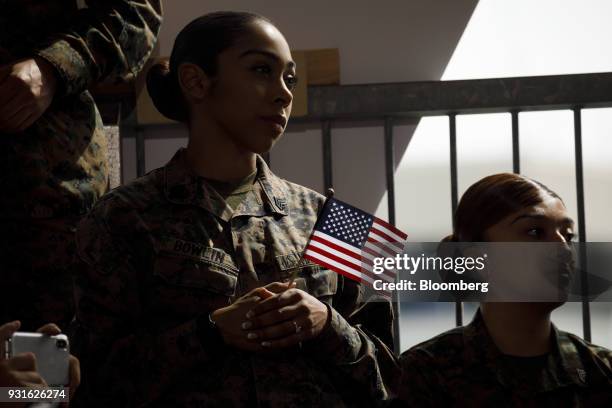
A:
{"x":183,"y":296}
{"x":510,"y":354}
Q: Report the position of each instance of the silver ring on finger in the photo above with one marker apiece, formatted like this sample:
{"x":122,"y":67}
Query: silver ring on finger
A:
{"x":298,"y":328}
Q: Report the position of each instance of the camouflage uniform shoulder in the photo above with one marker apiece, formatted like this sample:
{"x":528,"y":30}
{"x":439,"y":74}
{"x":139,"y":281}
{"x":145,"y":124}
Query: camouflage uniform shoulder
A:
{"x":135,"y":195}
{"x":446,"y":344}
{"x":601,"y":355}
{"x":424,"y":369}
{"x":296,"y":197}
{"x":429,"y":362}
{"x":304,"y":194}
{"x":114,"y":229}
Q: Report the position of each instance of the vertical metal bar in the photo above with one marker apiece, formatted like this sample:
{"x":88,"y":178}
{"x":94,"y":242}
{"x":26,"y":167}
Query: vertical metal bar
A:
{"x":140,"y":152}
{"x":390,"y":168}
{"x":586,"y":312}
{"x":390,"y":176}
{"x":454,"y":194}
{"x":516,"y":154}
{"x":453,"y":163}
{"x":327,"y":154}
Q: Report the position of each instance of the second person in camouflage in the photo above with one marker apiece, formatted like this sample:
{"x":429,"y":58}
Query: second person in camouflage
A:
{"x":53,"y":151}
{"x":510,"y":355}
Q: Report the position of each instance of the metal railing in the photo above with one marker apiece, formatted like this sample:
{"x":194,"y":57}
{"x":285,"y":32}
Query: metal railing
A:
{"x":392,"y":101}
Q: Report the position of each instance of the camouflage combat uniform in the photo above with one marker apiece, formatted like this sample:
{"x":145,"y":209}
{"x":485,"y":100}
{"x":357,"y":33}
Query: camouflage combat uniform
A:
{"x":54,"y":171}
{"x":464,"y":368}
{"x":162,"y":252}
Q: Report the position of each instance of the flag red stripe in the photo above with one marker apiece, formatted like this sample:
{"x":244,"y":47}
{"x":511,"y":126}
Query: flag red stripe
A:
{"x":391,"y":228}
{"x":386,"y":238}
{"x":348,"y":264}
{"x":346,"y":273}
{"x":385,"y":272}
{"x":382,"y":246}
{"x":375,"y":276}
{"x":351,"y":254}
{"x":334,"y":246}
{"x":370,"y":251}
{"x":333,"y":268}
{"x":378,"y":277}
{"x":334,"y":257}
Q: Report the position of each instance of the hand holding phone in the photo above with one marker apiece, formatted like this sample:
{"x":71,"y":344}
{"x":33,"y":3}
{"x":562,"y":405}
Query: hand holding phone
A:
{"x":51,"y":352}
{"x":19,"y":371}
{"x":22,"y":370}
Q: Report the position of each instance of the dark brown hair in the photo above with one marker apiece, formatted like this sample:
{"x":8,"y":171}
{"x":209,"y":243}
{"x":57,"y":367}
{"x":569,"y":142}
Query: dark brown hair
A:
{"x":200,"y":42}
{"x":490,"y":200}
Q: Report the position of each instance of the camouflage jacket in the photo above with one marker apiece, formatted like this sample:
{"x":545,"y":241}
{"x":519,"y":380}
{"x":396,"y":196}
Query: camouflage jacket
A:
{"x":58,"y":166}
{"x":464,"y":368}
{"x":162,"y":252}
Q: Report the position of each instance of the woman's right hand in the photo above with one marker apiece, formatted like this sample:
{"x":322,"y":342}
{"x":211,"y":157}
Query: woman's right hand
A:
{"x":229,"y":319}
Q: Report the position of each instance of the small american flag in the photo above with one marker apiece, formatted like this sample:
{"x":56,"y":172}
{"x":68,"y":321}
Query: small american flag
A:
{"x":346,"y":240}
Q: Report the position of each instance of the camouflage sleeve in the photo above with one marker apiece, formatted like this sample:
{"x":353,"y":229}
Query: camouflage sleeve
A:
{"x":418,"y":386}
{"x":109,"y":39}
{"x":123,"y":361}
{"x":603,"y":354}
{"x":353,"y":351}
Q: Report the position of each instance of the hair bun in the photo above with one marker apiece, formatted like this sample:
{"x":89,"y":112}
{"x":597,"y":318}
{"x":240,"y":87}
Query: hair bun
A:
{"x":450,"y":238}
{"x":165,"y":93}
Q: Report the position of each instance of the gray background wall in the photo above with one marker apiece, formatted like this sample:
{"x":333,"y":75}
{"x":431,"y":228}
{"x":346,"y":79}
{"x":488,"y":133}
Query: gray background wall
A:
{"x":395,"y":41}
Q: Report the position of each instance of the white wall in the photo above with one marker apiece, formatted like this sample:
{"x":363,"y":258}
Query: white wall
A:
{"x":505,"y":39}
{"x":414,"y":40}
{"x":390,"y":41}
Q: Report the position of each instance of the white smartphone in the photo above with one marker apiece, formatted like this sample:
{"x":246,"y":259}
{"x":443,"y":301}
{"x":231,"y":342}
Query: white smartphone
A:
{"x":52,"y":353}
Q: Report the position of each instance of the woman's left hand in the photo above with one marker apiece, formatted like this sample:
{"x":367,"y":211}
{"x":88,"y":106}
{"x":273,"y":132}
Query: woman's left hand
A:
{"x":286,"y":319}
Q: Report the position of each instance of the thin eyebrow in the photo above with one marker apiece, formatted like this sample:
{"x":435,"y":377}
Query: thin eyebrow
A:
{"x":565,"y":220}
{"x":290,"y":64}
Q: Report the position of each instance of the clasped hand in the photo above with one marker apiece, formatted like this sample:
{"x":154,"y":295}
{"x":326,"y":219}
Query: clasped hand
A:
{"x":275,"y":316}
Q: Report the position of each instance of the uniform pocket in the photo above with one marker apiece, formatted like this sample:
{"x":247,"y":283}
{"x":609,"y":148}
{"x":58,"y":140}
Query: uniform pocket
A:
{"x":194,"y":274}
{"x":185,"y":264}
{"x":319,"y":282}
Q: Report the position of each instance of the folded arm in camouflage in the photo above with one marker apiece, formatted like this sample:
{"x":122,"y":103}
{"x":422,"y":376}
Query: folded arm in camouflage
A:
{"x":352,"y":350}
{"x":108,"y":40}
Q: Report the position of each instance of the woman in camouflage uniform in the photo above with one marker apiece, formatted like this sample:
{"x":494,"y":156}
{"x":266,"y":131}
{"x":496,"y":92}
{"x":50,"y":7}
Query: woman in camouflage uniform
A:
{"x":510,"y":355}
{"x":185,"y":297}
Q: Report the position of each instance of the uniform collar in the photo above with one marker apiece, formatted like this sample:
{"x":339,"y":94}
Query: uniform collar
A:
{"x":565,"y":365}
{"x":182,"y":186}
